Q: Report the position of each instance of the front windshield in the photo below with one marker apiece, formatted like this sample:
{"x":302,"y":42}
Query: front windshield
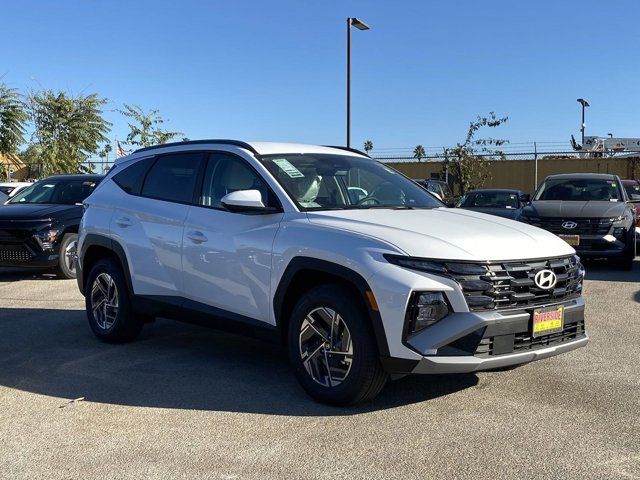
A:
{"x":489,"y":199}
{"x":56,"y":191}
{"x":633,"y":191}
{"x":579,"y":190}
{"x":329,"y":182}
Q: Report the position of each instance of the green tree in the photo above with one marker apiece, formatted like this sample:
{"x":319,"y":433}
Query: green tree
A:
{"x":469,"y":161}
{"x":13,"y":117}
{"x":368,"y":146}
{"x":145,"y":128}
{"x":419,"y":153}
{"x":67,"y":130}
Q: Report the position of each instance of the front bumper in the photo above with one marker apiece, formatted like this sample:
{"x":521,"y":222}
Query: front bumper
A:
{"x":474,"y":341}
{"x":27,"y":256}
{"x":600,"y":246}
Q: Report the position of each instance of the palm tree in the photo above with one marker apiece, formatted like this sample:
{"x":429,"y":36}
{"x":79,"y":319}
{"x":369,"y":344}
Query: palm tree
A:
{"x":13,"y":117}
{"x":419,"y":152}
{"x":368,"y":146}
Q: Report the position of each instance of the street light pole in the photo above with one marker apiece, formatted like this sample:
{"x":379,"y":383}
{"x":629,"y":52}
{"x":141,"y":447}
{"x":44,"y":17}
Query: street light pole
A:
{"x":584,"y":104}
{"x":360,"y":25}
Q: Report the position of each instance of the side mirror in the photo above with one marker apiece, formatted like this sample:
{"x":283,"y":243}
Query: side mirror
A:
{"x":243,"y":201}
{"x":525,"y":198}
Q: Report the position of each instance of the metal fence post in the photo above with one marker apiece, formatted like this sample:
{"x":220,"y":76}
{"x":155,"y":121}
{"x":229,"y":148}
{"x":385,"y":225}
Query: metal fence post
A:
{"x":535,"y":159}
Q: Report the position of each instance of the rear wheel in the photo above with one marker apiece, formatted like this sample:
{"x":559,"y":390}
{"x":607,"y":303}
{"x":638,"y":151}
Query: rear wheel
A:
{"x":108,"y":305}
{"x":332,"y":347}
{"x":67,"y":257}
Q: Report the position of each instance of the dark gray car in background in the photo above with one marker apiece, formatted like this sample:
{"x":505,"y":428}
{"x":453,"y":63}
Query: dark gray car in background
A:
{"x":590,"y":211}
{"x":502,"y":202}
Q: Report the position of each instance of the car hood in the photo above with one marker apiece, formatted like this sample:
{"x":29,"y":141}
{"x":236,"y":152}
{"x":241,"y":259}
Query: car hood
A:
{"x":588,"y":209}
{"x":448,"y":233}
{"x":511,"y":213}
{"x":37,"y":212}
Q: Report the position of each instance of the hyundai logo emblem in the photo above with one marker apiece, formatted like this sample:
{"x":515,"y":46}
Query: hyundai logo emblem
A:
{"x":545,"y":279}
{"x":569,"y":225}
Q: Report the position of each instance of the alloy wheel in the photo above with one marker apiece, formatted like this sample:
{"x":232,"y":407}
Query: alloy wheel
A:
{"x":104,"y":301}
{"x":326,"y":348}
{"x":70,"y":255}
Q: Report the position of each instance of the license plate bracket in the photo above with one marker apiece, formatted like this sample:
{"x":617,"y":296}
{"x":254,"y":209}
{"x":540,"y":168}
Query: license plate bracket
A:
{"x":547,"y":320}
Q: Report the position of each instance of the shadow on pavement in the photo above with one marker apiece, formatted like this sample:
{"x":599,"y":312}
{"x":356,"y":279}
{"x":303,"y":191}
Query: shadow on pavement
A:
{"x":173,"y":365}
{"x":15,"y":274}
{"x":606,"y":270}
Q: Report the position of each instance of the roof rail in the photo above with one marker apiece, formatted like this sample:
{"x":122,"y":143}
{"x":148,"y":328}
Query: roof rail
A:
{"x":236,"y":143}
{"x":348,"y":149}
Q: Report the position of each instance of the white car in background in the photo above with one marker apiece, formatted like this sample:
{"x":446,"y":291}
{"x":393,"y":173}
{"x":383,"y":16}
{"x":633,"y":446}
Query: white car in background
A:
{"x":360,"y":272}
{"x":11,"y":188}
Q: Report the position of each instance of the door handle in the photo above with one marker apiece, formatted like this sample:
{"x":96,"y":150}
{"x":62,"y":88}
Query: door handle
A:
{"x":197,"y":237}
{"x":123,"y":222}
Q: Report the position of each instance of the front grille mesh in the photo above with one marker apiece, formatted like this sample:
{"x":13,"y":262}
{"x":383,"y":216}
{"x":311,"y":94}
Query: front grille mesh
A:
{"x":510,"y":285}
{"x":14,"y":254}
{"x":523,"y":342}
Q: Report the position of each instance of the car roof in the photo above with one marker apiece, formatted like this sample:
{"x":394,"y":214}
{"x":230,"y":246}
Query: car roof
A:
{"x":79,"y":176}
{"x":505,"y":190}
{"x":257,"y":148}
{"x":604,"y":176}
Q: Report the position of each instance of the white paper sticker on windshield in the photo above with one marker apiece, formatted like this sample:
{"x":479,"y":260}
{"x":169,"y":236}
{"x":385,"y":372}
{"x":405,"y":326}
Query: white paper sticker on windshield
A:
{"x":287,"y":167}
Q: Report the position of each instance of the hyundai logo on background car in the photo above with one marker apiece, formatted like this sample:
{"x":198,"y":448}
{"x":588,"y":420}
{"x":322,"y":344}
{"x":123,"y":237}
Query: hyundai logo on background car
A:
{"x":545,"y":279}
{"x":569,"y":225}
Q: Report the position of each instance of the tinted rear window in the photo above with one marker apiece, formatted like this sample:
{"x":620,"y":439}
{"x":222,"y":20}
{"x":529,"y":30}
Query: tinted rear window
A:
{"x":173,"y":177}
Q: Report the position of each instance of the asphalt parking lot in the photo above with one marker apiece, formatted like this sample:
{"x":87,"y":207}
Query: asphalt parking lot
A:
{"x":187,"y":402}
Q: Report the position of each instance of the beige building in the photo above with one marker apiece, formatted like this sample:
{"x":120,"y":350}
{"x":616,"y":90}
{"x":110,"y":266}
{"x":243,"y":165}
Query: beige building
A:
{"x":11,"y":167}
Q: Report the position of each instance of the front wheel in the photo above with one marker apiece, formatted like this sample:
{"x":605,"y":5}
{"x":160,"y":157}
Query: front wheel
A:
{"x":332,"y":347}
{"x":67,"y":256}
{"x":626,"y":262}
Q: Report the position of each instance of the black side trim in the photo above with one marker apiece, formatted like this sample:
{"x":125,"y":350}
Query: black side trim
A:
{"x":191,"y":311}
{"x":398,"y":365}
{"x":236,"y":143}
{"x":92,"y":240}
{"x":298,"y":264}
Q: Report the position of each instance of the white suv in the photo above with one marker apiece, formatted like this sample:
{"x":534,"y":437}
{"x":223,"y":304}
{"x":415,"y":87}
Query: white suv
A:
{"x":363,"y":274}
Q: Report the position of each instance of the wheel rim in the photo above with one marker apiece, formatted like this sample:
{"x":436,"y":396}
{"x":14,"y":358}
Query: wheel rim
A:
{"x":70,"y":255}
{"x":326,"y":348}
{"x":104,"y":301}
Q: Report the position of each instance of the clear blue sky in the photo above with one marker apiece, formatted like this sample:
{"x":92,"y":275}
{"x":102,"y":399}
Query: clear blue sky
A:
{"x":275,"y":70}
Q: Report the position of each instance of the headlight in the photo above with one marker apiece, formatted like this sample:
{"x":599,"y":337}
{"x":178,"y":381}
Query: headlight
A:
{"x":431,"y":266}
{"x":426,"y":308}
{"x":614,"y":220}
{"x":46,"y":238}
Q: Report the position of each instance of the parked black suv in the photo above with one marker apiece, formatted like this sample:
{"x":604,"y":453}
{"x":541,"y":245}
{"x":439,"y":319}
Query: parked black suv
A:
{"x":590,"y":211}
{"x":39,"y":225}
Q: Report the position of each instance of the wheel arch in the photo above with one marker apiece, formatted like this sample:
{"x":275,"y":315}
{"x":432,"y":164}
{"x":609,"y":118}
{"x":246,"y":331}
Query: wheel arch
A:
{"x":304,"y":273}
{"x":96,"y":247}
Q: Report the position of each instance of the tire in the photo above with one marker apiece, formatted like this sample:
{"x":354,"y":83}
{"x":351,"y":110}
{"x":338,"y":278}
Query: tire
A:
{"x":626,"y":262}
{"x":347,"y":383}
{"x":67,"y":256}
{"x":111,"y":320}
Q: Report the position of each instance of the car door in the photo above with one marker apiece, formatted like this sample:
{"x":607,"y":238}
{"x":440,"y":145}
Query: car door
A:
{"x":227,"y":255}
{"x":148,"y":222}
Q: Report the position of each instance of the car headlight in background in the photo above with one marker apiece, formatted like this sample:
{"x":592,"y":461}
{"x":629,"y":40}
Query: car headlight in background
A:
{"x":46,"y":238}
{"x":425,"y":309}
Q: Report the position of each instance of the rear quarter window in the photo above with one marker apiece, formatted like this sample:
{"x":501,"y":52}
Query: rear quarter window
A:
{"x":131,"y":178}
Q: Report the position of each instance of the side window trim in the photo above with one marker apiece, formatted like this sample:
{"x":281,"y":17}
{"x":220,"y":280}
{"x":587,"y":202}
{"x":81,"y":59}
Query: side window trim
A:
{"x":200,"y":192}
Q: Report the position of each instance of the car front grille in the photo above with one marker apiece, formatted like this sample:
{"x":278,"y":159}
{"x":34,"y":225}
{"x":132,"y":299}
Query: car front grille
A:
{"x":524,"y":342}
{"x":14,"y":253}
{"x":511,"y":285}
{"x":584,"y":226}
